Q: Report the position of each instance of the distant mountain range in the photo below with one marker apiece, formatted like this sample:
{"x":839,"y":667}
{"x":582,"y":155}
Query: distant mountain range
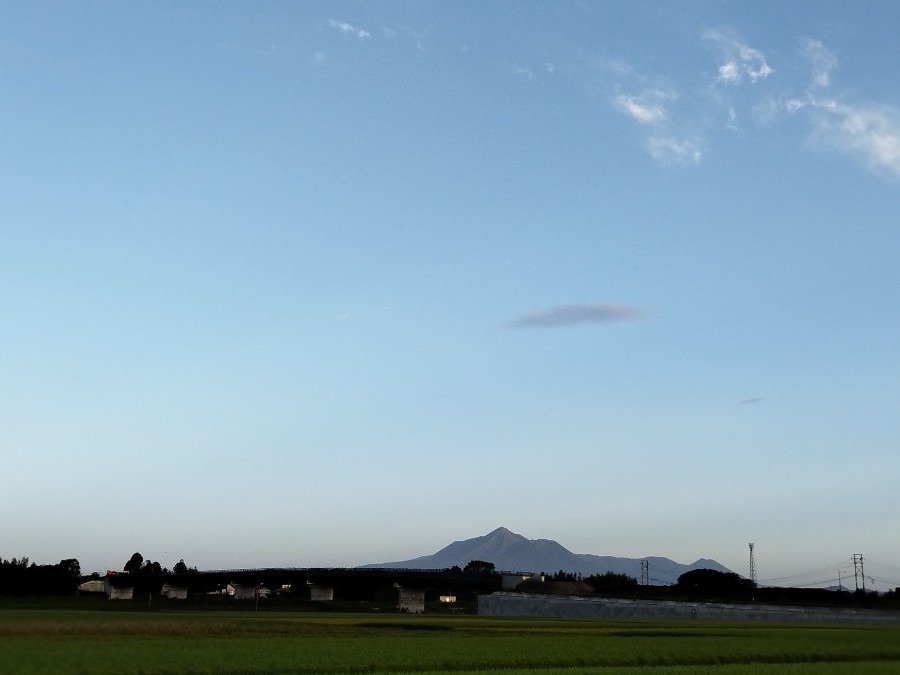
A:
{"x":511,"y":552}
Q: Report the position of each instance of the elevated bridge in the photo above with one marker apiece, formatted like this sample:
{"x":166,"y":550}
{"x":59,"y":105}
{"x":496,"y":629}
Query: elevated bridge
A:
{"x":358,"y":583}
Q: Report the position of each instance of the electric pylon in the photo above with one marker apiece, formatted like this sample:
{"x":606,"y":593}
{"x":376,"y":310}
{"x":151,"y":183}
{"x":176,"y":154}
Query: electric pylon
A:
{"x":858,"y":571}
{"x":752,"y":565}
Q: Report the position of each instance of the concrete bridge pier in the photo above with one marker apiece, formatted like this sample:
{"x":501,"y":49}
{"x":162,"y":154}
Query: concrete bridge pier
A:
{"x":118,"y":592}
{"x":411,"y":600}
{"x":318,"y":593}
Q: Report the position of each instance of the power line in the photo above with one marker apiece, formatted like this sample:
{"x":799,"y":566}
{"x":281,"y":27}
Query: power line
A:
{"x":841,"y":565}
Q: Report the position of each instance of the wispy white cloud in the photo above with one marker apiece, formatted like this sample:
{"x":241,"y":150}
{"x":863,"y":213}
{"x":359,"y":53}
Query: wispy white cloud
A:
{"x":349,"y":29}
{"x":653,"y":108}
{"x":732,"y":122}
{"x":822,"y":61}
{"x":670,"y":151}
{"x":729,"y":72}
{"x":645,"y":108}
{"x":570,"y":315}
{"x":640,"y":109}
{"x":868,"y":131}
{"x":678,"y":135}
{"x":524,"y":72}
{"x":766,"y":111}
{"x":871,"y":132}
{"x":740,"y":59}
{"x":545,"y":69}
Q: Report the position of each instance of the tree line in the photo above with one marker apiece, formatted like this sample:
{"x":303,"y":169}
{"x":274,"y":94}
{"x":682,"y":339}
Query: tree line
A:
{"x":605,"y":580}
{"x":18,"y":577}
{"x":137,"y":565}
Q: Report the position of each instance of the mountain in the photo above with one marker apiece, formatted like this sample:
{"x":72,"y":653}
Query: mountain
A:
{"x":511,"y":552}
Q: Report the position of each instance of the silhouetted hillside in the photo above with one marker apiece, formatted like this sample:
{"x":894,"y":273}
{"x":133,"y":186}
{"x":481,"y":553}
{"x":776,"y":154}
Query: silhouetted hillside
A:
{"x":514,"y":553}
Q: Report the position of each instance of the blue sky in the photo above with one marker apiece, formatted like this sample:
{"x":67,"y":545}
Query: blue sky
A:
{"x":338,"y":283}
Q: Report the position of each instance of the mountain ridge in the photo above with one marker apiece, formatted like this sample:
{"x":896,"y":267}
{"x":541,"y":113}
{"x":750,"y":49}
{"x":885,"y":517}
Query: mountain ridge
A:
{"x":511,"y":552}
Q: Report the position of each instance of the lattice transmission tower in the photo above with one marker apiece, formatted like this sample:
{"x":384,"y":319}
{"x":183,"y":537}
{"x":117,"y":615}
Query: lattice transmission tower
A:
{"x":752,"y":565}
{"x":858,"y":572}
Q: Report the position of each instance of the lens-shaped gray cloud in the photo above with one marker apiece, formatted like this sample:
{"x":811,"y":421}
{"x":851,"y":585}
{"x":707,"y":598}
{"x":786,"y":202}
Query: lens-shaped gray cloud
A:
{"x":569,"y":315}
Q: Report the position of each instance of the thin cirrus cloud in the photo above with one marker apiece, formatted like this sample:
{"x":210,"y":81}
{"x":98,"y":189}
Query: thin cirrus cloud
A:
{"x":871,"y":132}
{"x":821,"y":60}
{"x":546,"y":69}
{"x":573,"y":314}
{"x":867,"y":131}
{"x":679,"y":137}
{"x":740,"y":60}
{"x":864,"y":130}
{"x":349,"y":29}
{"x":524,"y":72}
{"x":650,"y":109}
{"x":666,"y":150}
{"x":646,"y":108}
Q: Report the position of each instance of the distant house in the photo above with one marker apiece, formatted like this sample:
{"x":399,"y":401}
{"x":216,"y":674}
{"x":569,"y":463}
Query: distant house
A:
{"x":240,"y":591}
{"x":117,"y":592}
{"x":174,"y":592}
{"x":247,"y":592}
{"x":92,"y":586}
{"x":510,"y":581}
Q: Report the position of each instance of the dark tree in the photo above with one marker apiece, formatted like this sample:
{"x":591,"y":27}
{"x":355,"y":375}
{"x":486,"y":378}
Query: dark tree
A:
{"x":611,"y":580}
{"x":479,"y":566}
{"x":71,"y":567}
{"x":181,"y":568}
{"x":713,"y":582}
{"x":134,"y":563}
{"x":150,"y":567}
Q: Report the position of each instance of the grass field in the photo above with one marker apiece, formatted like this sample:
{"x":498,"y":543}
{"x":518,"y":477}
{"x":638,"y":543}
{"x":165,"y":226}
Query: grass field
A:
{"x":35,"y":642}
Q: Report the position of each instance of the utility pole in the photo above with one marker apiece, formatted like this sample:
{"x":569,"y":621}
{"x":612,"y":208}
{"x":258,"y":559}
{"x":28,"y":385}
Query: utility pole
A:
{"x":858,"y":571}
{"x":752,"y":565}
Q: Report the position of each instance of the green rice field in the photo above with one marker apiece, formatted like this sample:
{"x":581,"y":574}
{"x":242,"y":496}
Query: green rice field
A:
{"x":37,"y":642}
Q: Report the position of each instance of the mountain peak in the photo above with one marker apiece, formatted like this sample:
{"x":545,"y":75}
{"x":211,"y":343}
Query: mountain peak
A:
{"x":511,"y":552}
{"x":501,"y":532}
